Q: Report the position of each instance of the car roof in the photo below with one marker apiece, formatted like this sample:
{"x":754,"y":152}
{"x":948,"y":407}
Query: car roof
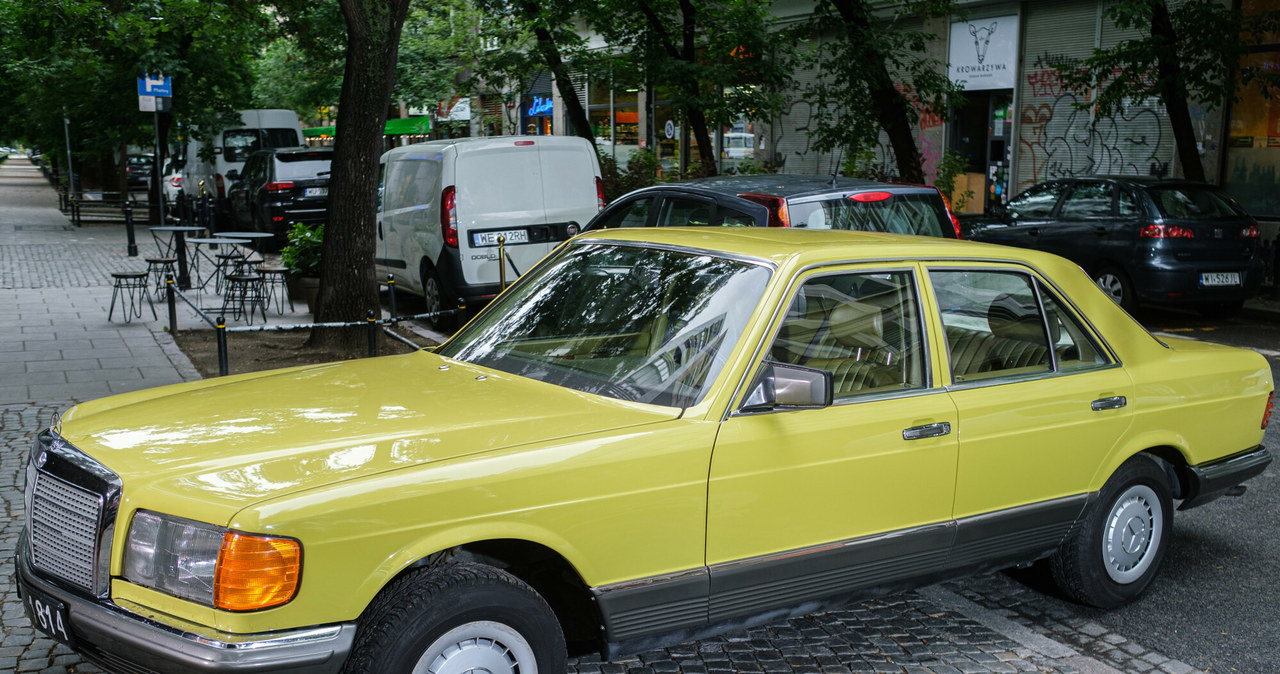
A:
{"x":783,"y":245}
{"x":1141,"y":181}
{"x":787,"y":185}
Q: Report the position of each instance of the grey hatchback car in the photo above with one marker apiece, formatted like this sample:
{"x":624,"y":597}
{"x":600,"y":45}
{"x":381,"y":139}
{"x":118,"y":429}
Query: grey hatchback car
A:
{"x":785,"y":200}
{"x":1143,"y":240}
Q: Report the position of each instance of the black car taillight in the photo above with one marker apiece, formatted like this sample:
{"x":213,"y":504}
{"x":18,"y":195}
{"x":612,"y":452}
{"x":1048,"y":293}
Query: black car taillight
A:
{"x":1166,"y":232}
{"x":278,"y":186}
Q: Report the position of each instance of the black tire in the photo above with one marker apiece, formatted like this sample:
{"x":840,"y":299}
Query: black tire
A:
{"x":459,"y":614}
{"x":437,"y":299}
{"x":1116,"y":284}
{"x":1112,"y":555}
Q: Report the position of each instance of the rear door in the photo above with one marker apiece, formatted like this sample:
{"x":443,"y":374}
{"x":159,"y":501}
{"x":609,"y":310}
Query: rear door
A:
{"x":500,"y":193}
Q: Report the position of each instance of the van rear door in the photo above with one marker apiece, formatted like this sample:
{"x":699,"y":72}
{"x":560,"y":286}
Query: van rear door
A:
{"x":500,"y":193}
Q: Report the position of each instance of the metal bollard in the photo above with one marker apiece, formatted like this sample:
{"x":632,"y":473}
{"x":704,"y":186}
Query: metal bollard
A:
{"x":128,"y":228}
{"x":502,"y":263}
{"x":391,"y":292}
{"x":171,"y":298}
{"x":373,"y":333}
{"x":221,"y":329}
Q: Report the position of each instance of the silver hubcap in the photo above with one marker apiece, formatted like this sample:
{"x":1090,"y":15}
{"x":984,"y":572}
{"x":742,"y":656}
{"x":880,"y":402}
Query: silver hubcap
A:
{"x":1111,"y":285}
{"x":1132,"y":535}
{"x":481,"y":647}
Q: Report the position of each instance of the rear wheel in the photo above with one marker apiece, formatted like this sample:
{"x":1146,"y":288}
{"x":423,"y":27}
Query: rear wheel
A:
{"x":436,"y":299}
{"x":1115,"y":283}
{"x":458,"y":618}
{"x":1115,"y":552}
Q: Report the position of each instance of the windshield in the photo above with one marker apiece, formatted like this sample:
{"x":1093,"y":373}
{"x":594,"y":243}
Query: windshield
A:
{"x":628,"y":322}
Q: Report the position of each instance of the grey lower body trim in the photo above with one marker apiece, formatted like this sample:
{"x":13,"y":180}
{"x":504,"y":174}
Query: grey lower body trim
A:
{"x":642,"y":614}
{"x":123,"y":640}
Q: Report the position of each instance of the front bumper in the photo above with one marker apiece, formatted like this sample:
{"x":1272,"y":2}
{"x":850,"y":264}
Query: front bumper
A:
{"x":1208,"y":481}
{"x":119,"y":637}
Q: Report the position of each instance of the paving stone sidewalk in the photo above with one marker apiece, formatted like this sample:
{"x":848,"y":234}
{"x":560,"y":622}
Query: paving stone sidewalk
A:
{"x":57,"y":348}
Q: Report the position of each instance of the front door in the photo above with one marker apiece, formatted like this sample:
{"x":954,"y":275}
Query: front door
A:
{"x":808,"y":503}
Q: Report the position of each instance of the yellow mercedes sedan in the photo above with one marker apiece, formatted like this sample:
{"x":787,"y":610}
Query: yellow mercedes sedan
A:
{"x":655,"y":435}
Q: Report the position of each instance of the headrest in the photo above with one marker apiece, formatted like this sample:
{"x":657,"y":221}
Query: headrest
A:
{"x":858,"y":325}
{"x":1010,"y":319}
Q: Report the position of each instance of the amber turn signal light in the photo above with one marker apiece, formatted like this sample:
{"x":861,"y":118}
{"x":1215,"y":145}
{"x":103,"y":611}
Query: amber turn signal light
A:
{"x":256,"y":572}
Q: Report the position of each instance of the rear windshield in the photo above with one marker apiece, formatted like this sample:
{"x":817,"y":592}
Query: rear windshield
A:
{"x":1192,"y":202}
{"x":303,"y":165}
{"x":918,"y":213}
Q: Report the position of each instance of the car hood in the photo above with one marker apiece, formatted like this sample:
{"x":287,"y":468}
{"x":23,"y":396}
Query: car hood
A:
{"x":230,"y":442}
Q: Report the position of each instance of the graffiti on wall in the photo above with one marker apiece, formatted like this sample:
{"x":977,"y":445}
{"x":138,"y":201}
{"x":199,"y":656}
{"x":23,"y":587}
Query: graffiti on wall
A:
{"x":1057,"y":139}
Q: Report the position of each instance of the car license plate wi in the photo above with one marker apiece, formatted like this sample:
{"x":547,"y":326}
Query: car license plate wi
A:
{"x":511,"y":236}
{"x":48,"y":615}
{"x":315,"y":192}
{"x":1220,"y":278}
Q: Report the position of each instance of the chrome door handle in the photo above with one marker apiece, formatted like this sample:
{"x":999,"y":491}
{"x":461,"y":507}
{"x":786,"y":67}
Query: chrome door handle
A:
{"x":926,"y":431}
{"x":1112,"y":403}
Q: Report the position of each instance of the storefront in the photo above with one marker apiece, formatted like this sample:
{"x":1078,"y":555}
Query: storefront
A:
{"x":984,"y":57}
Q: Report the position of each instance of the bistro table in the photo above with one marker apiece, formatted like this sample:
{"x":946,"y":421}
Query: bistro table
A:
{"x":218,"y":267}
{"x":253,"y":238}
{"x":175,"y":245}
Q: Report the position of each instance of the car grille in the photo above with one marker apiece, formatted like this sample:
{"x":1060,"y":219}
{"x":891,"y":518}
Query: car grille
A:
{"x":64,"y":530}
{"x":71,"y":510}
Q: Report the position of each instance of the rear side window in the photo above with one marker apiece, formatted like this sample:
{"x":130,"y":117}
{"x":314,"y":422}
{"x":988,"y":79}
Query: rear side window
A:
{"x":634,"y":214}
{"x":302,"y":166}
{"x":410,"y":182}
{"x":1191,"y":202}
{"x":922,"y":214}
{"x":678,"y":212}
{"x":280,"y":138}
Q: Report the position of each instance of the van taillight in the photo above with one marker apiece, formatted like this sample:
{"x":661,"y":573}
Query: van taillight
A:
{"x":278,"y":186}
{"x":1166,"y":232}
{"x":600,"y":202}
{"x":1266,"y":414}
{"x":778,"y":215}
{"x":221,"y":184}
{"x":449,"y":216}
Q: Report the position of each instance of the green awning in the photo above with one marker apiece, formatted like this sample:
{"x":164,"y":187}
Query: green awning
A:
{"x":395,"y":127}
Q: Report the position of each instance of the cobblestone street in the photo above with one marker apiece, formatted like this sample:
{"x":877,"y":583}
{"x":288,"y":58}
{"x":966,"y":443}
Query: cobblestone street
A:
{"x":989,"y":624}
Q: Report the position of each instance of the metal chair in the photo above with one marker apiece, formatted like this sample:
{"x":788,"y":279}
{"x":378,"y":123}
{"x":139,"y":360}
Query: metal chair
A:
{"x":244,"y":292}
{"x":157,"y":269}
{"x":276,"y":287}
{"x":130,"y":289}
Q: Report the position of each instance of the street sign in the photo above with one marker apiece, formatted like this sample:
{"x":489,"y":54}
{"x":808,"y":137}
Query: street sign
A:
{"x":157,"y":85}
{"x":153,"y":103}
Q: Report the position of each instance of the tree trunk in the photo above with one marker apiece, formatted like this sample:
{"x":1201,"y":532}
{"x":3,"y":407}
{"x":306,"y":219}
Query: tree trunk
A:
{"x":348,"y":287}
{"x":1174,"y":96}
{"x":572,"y":104}
{"x":893,"y":111}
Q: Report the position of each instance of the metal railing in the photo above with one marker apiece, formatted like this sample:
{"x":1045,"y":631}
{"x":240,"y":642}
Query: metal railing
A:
{"x":219,"y":324}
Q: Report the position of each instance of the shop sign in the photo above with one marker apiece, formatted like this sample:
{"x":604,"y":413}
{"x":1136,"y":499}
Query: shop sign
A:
{"x":984,"y":53}
{"x":541,"y":106}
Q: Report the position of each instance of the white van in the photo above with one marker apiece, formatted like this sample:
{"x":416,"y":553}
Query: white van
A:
{"x":442,"y":205}
{"x":259,"y":129}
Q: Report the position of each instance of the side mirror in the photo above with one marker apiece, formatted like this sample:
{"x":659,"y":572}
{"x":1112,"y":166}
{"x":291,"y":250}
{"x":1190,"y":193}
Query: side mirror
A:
{"x":783,"y":386}
{"x":233,"y":174}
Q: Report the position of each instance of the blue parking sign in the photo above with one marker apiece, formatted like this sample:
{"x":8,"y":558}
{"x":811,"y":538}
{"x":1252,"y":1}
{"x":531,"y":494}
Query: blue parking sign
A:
{"x":155,"y":85}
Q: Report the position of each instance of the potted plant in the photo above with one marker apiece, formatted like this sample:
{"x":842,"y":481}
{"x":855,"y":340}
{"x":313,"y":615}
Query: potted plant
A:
{"x":302,"y":257}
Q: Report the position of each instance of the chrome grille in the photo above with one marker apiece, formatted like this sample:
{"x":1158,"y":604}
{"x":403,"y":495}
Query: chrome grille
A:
{"x":64,"y":530}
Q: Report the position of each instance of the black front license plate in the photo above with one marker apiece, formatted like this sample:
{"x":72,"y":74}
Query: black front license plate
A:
{"x":48,"y":615}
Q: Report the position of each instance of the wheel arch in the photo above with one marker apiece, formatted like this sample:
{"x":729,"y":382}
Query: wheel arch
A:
{"x":1165,"y":451}
{"x":543,"y":568}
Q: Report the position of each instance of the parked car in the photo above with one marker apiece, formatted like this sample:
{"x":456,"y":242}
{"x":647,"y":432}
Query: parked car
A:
{"x":1143,"y":240}
{"x":654,"y":434}
{"x":171,"y":181}
{"x":280,"y":187}
{"x":137,"y":169}
{"x":444,"y":204}
{"x":785,"y":200}
{"x":210,"y":164}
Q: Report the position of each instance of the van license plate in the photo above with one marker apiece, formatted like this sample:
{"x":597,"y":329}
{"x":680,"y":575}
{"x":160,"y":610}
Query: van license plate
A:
{"x":1220,"y":279}
{"x":315,"y":192}
{"x":484,"y":239}
{"x":48,"y":615}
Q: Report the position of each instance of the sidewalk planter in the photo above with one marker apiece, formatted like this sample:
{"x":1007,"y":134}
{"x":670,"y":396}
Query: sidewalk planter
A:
{"x":302,"y":256}
{"x":304,"y":288}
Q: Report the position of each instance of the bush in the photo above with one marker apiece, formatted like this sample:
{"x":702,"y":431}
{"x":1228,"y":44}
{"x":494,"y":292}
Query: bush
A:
{"x":302,"y":254}
{"x":641,"y":171}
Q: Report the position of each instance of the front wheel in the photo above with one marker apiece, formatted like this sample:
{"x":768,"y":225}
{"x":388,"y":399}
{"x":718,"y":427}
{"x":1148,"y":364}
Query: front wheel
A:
{"x":458,"y":618}
{"x":1115,"y":552}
